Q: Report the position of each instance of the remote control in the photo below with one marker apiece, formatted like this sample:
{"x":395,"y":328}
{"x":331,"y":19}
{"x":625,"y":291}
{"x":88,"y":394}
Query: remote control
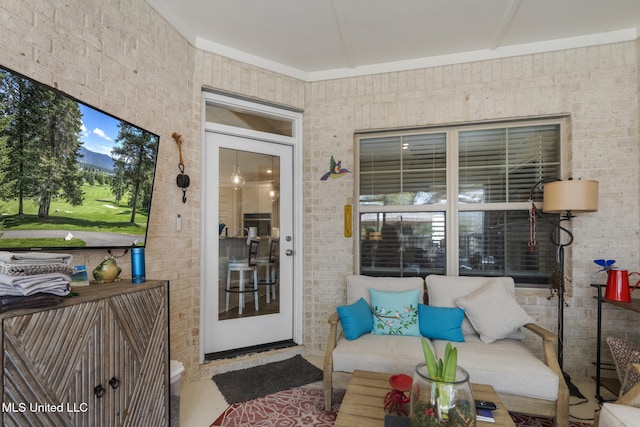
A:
{"x":483,"y":404}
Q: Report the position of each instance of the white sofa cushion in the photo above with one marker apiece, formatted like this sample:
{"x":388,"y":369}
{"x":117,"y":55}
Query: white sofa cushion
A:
{"x":508,"y":365}
{"x":614,"y":415}
{"x":395,"y":354}
{"x":358,"y":286}
{"x":444,"y":291}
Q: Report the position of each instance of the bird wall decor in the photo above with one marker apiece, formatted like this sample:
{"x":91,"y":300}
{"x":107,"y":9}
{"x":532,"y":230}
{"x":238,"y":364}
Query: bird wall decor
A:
{"x":335,"y":170}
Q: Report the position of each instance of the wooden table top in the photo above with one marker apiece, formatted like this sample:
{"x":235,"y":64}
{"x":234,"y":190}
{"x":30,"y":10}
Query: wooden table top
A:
{"x":363,"y":403}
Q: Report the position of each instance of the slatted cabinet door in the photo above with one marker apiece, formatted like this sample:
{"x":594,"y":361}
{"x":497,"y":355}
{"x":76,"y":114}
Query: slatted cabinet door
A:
{"x":136,"y":345}
{"x":52,"y":357}
{"x":104,"y":361}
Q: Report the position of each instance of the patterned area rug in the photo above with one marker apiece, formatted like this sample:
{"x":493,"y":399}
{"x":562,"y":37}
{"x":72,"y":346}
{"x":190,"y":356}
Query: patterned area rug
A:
{"x":529,"y":421}
{"x":304,"y":407}
{"x":297,"y":407}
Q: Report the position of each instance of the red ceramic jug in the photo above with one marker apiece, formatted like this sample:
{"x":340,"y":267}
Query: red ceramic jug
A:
{"x":618,"y":288}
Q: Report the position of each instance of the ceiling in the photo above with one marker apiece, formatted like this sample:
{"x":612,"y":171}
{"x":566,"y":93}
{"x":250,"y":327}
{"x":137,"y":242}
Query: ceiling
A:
{"x":322,"y":39}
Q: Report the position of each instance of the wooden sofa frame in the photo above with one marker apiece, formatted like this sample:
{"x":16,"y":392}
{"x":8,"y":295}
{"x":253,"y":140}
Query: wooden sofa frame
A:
{"x":558,"y":409}
{"x":630,"y":398}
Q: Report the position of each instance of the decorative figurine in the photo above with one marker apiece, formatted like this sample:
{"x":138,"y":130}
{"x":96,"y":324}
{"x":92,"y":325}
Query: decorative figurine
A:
{"x":396,"y":399}
{"x":335,"y":170}
{"x":107,"y":271}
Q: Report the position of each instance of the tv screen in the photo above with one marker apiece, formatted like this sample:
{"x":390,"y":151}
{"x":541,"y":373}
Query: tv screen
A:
{"x":71,"y":176}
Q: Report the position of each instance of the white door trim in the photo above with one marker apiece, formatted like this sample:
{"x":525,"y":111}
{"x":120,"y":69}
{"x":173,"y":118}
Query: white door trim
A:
{"x":298,"y":209}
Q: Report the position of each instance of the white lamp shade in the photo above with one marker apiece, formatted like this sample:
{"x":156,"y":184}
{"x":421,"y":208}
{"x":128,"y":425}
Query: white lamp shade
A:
{"x":571,"y":195}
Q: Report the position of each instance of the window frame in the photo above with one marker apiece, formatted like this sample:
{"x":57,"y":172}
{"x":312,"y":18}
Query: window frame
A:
{"x":453,"y":207}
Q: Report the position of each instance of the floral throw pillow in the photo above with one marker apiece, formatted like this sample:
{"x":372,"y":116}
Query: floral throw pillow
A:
{"x":624,"y":354}
{"x":395,"y":313}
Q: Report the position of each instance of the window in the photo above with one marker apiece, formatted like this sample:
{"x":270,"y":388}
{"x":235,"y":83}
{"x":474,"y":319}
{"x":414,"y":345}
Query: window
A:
{"x":436,"y":200}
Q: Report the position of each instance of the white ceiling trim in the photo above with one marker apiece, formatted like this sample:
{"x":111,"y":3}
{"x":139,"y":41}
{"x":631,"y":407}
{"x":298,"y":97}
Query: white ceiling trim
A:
{"x":479,"y":55}
{"x":248,"y":58}
{"x":629,"y":34}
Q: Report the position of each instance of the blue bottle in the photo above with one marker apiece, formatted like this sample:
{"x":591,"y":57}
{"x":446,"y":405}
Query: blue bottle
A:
{"x":137,"y":265}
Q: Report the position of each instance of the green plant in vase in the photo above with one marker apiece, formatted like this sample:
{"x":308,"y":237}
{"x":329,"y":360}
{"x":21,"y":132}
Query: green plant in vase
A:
{"x":443,"y":371}
{"x":441,"y":394}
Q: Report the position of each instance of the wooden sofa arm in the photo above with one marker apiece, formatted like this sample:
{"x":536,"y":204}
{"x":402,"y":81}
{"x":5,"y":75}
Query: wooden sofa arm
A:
{"x":327,"y":378}
{"x":542,"y":332}
{"x":632,"y":396}
{"x":333,"y":321}
{"x":548,"y":338}
{"x":551,"y":360}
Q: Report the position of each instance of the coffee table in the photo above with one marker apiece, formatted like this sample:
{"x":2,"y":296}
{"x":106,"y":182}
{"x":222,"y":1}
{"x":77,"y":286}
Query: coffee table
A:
{"x":363,"y":403}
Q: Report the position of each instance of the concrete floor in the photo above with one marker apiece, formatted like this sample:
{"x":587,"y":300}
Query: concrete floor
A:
{"x":202,"y":402}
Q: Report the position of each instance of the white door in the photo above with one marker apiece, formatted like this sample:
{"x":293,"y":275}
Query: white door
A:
{"x":260,"y":203}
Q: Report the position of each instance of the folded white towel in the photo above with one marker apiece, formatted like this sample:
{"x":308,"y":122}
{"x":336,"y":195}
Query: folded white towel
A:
{"x":61,"y":289}
{"x":34,"y":258}
{"x":53,"y":283}
{"x":30,"y":270}
{"x":35,"y":280}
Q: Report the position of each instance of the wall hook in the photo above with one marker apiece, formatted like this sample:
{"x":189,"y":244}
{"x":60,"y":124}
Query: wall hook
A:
{"x":182,"y":180}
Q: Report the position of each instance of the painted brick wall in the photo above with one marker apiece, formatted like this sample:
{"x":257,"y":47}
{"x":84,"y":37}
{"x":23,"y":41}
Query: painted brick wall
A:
{"x":121,"y":57}
{"x":597,"y":87}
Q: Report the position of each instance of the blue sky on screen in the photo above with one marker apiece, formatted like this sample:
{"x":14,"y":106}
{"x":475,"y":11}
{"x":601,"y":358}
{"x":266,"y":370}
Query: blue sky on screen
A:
{"x":99,"y":130}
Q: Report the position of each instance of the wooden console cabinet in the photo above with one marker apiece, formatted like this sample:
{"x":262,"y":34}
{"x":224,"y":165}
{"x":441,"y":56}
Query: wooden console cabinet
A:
{"x":97,"y":359}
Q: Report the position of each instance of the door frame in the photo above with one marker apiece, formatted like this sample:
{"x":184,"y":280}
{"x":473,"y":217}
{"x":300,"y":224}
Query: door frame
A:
{"x":295,"y":141}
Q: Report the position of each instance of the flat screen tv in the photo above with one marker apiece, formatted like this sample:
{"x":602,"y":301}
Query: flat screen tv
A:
{"x":71,"y":176}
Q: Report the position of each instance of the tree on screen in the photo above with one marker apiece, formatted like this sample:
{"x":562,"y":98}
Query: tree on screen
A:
{"x":134,"y":161}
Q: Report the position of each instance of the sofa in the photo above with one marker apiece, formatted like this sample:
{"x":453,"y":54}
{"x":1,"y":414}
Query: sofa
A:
{"x":479,"y":315}
{"x":625,"y":411}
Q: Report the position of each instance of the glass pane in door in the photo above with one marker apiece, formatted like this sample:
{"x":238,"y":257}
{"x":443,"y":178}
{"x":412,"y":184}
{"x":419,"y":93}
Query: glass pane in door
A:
{"x":249,"y":224}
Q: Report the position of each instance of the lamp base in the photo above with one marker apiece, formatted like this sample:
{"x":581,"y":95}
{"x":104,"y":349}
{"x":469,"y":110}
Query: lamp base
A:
{"x":573,"y":389}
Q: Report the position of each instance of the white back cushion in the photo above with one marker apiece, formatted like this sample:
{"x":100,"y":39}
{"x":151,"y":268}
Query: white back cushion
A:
{"x":358,"y":286}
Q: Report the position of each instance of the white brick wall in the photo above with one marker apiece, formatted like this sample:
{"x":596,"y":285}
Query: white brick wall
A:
{"x":597,"y":87}
{"x":123,"y":58}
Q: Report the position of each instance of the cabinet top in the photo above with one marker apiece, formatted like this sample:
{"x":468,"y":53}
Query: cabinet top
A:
{"x":94,"y":292}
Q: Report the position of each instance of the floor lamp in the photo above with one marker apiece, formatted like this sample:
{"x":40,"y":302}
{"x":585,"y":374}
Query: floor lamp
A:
{"x":565,"y":197}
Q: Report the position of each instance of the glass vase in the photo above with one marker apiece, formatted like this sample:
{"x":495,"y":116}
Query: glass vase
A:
{"x":441,"y":404}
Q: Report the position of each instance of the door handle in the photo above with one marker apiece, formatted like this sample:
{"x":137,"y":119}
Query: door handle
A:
{"x":114,"y":383}
{"x":99,"y":391}
{"x":289,"y":252}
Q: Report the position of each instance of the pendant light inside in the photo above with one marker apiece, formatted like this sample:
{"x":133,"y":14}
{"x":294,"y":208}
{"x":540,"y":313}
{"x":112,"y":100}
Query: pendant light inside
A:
{"x":272,"y":193}
{"x":236,"y":177}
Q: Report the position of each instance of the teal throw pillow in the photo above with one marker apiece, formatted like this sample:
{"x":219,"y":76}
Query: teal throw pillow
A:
{"x":395,"y":313}
{"x":356,"y":319}
{"x":441,"y":323}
